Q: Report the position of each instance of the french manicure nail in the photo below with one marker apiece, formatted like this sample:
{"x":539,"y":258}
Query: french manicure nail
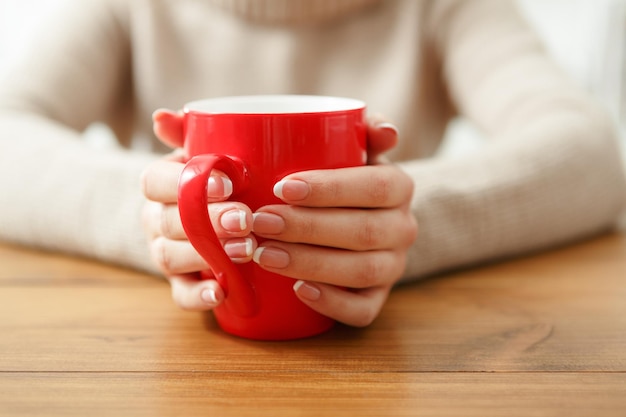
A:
{"x":219,"y":187}
{"x":271,"y":257}
{"x":234,"y":220}
{"x":388,"y":127}
{"x":238,"y":248}
{"x":208,"y":296}
{"x":293,"y":190}
{"x":307,"y":291}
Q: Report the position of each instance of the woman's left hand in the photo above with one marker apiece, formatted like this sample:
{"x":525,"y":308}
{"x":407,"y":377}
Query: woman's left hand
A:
{"x":343,"y":234}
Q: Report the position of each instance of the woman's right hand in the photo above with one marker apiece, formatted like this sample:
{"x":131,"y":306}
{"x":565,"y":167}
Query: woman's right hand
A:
{"x":168,"y":244}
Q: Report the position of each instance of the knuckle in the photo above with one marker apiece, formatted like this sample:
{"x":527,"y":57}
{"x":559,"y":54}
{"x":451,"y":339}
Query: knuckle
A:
{"x":364,"y":316}
{"x":166,"y":223}
{"x":380,"y":189}
{"x":368,"y":234}
{"x":143,"y":181}
{"x":408,"y":186}
{"x":368,"y":273}
{"x":150,"y":220}
{"x":308,"y":267}
{"x":306,"y":225}
{"x":146,"y":183}
{"x":181,"y":297}
{"x":331,"y":190}
{"x":178,"y":297}
{"x":146,"y":218}
{"x":398,"y":266}
{"x":162,"y":256}
{"x":412,"y":230}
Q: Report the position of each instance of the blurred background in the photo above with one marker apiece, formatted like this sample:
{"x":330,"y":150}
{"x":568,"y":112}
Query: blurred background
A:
{"x":586,"y":37}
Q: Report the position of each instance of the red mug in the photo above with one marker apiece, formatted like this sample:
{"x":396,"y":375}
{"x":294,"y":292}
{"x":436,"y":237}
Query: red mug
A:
{"x":256,"y":141}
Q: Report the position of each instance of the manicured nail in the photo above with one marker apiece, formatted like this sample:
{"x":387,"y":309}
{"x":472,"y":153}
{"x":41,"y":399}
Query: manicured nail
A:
{"x":219,"y":187}
{"x":159,"y":113}
{"x":271,"y":257}
{"x":267,"y":223}
{"x":292,"y":190}
{"x":208,"y":296}
{"x":234,"y":220}
{"x":307,"y":291}
{"x":388,"y":127}
{"x":238,"y":248}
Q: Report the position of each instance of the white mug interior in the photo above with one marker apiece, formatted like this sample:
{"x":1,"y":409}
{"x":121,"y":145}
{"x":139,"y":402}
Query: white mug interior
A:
{"x":273,"y":104}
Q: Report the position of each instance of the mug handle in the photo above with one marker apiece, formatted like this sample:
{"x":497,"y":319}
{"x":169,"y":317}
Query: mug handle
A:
{"x":193,"y":206}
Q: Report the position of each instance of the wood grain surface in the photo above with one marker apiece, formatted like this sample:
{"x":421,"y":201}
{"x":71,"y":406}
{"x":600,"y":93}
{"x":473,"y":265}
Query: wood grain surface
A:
{"x":542,"y":335}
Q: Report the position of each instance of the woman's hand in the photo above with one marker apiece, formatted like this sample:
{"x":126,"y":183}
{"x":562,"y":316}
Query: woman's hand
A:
{"x":343,"y":234}
{"x":169,"y":246}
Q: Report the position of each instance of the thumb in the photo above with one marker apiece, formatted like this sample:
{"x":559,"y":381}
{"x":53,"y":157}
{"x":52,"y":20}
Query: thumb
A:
{"x":168,"y":127}
{"x":382,"y":135}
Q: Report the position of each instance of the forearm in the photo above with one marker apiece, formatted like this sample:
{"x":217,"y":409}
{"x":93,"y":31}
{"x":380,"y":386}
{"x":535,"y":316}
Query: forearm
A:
{"x":60,"y":194}
{"x":559,"y":179}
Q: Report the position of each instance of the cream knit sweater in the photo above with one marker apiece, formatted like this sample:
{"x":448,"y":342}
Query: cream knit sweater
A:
{"x":550,"y":173}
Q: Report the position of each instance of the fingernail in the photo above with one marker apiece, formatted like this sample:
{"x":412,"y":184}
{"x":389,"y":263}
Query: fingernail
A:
{"x":208,"y":296}
{"x":267,"y":223}
{"x":238,"y":248}
{"x":293,"y":190}
{"x":234,"y":220}
{"x":158,"y":114}
{"x":389,"y":127}
{"x":219,"y":187}
{"x":307,"y":291}
{"x":271,"y":257}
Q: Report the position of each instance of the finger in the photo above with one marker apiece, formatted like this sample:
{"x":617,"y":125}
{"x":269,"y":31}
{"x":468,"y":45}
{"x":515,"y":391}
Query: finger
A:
{"x":230,"y":219}
{"x":176,"y":257}
{"x":190,"y":293}
{"x":364,"y":187}
{"x":331,"y":266}
{"x":240,"y":250}
{"x":168,"y":127}
{"x":151,"y":215}
{"x":159,"y":182}
{"x":355,"y":308}
{"x":382,"y":135}
{"x":354,"y":229}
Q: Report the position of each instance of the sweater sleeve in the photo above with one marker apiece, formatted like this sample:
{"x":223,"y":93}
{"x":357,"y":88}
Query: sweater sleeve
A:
{"x":551,"y":171}
{"x":57,"y":192}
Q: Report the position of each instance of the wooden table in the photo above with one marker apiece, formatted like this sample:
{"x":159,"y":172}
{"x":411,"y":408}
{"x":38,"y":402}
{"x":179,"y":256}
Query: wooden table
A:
{"x":543,"y":335}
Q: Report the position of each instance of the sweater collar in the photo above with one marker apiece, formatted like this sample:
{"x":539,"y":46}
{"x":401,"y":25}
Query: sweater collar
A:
{"x":292,"y":11}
